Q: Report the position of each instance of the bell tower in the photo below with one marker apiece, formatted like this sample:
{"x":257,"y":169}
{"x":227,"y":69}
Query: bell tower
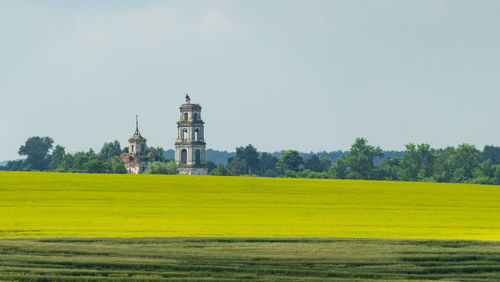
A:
{"x":190,"y":145}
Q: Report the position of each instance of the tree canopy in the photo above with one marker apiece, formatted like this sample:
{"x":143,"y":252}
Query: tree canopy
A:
{"x":250,"y":155}
{"x":290,"y":163}
{"x":36,"y":149}
{"x":359,"y":160}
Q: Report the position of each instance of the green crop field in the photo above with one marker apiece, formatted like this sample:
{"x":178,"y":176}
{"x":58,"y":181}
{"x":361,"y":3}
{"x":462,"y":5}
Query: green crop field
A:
{"x":49,"y":205}
{"x":266,"y":259}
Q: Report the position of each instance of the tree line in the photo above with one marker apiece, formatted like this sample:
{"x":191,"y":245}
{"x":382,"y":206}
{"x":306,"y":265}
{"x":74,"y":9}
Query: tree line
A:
{"x":419,"y":162}
{"x":41,"y":155}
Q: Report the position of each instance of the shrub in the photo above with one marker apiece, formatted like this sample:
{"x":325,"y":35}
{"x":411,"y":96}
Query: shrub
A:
{"x":161,"y":168}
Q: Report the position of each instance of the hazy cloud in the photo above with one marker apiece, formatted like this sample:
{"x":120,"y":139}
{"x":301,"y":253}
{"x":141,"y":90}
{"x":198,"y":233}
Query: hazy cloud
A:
{"x":146,"y":26}
{"x":216,"y":22}
{"x":323,"y":22}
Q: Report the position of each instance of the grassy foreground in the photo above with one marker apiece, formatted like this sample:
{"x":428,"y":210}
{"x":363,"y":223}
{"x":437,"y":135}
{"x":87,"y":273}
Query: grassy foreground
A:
{"x":34,"y":205}
{"x":268,"y":259}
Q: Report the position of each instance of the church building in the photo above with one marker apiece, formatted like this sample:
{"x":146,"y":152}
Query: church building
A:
{"x":190,"y":145}
{"x":137,"y":158}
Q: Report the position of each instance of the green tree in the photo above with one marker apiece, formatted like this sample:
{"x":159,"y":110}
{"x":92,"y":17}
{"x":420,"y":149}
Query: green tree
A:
{"x":158,"y":153}
{"x":250,"y":155}
{"x":94,"y":166}
{"x":290,"y":163}
{"x":462,"y":162}
{"x":491,"y":153}
{"x":88,"y":162}
{"x":66,"y":163}
{"x":161,"y":168}
{"x":315,"y":174}
{"x":270,"y":173}
{"x":442,"y":172}
{"x":325,"y":163}
{"x":485,"y":173}
{"x":110,"y":150}
{"x":236,"y":167}
{"x":487,"y":169}
{"x":15,"y":165}
{"x":210,"y":166}
{"x":338,"y":170}
{"x":317,"y":163}
{"x":389,"y":169}
{"x":313,"y":164}
{"x":156,"y":168}
{"x":117,"y":166}
{"x":418,"y":163}
{"x":36,"y":149}
{"x":57,"y":157}
{"x":359,"y":160}
{"x":172,"y":167}
{"x":496,"y":175}
{"x":220,"y":170}
{"x":267,"y":165}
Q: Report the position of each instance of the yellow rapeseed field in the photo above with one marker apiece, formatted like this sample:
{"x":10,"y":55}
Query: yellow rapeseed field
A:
{"x":92,"y":205}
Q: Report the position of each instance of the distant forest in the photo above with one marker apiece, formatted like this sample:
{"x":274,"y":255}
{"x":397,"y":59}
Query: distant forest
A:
{"x":419,"y":162}
{"x":222,"y":157}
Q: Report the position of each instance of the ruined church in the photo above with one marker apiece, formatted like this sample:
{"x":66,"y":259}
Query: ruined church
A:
{"x":189,"y":147}
{"x":137,"y":158}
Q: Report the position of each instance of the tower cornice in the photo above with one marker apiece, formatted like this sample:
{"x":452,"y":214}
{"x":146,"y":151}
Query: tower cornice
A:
{"x":190,"y":107}
{"x":187,"y":142}
{"x":187,"y":122}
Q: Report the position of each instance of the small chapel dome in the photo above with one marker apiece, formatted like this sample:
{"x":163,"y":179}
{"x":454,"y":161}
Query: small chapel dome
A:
{"x":137,"y":138}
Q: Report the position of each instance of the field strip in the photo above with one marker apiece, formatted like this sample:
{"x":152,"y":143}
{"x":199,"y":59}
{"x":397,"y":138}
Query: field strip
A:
{"x":266,"y":259}
{"x":48,"y":205}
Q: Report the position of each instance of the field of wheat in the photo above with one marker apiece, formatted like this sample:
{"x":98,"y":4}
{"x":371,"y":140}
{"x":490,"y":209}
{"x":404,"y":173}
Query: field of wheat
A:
{"x":49,"y":205}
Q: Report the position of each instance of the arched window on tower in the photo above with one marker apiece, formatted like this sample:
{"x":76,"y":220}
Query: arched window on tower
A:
{"x":196,"y":134}
{"x":132,"y":149}
{"x":195,"y":116}
{"x":186,"y":116}
{"x":184,"y":156}
{"x":184,"y":134}
{"x":197,"y":157}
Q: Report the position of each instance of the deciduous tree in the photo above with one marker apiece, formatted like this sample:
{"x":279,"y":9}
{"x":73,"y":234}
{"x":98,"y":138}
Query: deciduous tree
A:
{"x":359,"y":160}
{"x":236,"y":166}
{"x":36,"y":149}
{"x":267,"y":165}
{"x":110,"y":150}
{"x":250,"y":155}
{"x":290,"y":163}
{"x":57,"y":157}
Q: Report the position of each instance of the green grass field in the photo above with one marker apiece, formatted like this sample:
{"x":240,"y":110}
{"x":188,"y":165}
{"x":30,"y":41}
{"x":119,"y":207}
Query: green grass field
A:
{"x":264,"y":259}
{"x":49,"y":205}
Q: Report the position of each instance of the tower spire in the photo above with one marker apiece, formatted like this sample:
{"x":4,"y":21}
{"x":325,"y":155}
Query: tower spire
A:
{"x":137,"y":126}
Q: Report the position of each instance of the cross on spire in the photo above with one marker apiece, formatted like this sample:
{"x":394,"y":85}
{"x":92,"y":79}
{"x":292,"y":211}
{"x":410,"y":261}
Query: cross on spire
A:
{"x":137,"y":126}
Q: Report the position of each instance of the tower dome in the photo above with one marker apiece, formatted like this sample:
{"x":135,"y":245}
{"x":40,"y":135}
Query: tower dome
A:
{"x":137,"y":143}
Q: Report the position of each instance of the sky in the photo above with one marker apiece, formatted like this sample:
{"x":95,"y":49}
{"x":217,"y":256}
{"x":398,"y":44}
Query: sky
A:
{"x":306,"y":75}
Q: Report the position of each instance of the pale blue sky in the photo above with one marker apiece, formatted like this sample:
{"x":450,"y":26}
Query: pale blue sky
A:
{"x":306,"y":75}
